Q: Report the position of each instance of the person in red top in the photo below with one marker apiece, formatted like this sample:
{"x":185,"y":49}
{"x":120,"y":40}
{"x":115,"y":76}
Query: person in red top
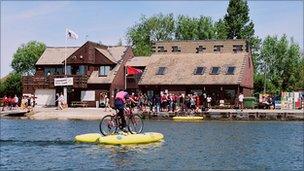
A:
{"x":197,"y":102}
{"x":4,"y":100}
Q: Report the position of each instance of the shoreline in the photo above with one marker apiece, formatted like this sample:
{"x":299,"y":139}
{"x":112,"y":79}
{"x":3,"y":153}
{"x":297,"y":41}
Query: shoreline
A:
{"x":40,"y":113}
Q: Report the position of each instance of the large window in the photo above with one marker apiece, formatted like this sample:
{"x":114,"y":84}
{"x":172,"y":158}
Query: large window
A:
{"x":161,"y":71}
{"x":76,"y":70}
{"x":237,"y":48}
{"x":215,"y":70}
{"x":200,"y":49}
{"x":217,"y":48}
{"x":230,"y":70}
{"x":199,"y":71}
{"x":161,"y":49}
{"x":175,"y":49}
{"x":104,"y":70}
{"x":81,"y":70}
{"x":49,"y":71}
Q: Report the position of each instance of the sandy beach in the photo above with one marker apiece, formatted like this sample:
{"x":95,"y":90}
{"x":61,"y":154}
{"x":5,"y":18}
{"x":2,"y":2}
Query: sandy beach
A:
{"x":41,"y":113}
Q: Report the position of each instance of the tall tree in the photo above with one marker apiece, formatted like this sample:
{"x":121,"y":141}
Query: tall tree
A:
{"x":11,"y":85}
{"x":186,"y":28}
{"x":156,"y":28}
{"x":26,"y":56}
{"x":205,"y":28}
{"x":237,"y":20}
{"x":279,"y":61}
{"x":221,"y":30}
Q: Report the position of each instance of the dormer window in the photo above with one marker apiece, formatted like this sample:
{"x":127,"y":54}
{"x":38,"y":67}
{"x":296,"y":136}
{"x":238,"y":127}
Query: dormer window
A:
{"x":104,"y":71}
{"x":230,"y":70}
{"x":237,"y":48}
{"x":200,"y":49}
{"x":161,"y":49}
{"x":175,"y":49}
{"x":215,"y":70}
{"x":153,"y":49}
{"x":161,"y":71}
{"x":217,"y":48}
{"x":199,"y":71}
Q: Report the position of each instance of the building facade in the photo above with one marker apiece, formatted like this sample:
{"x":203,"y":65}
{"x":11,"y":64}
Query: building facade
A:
{"x":221,"y":69}
{"x":96,"y":70}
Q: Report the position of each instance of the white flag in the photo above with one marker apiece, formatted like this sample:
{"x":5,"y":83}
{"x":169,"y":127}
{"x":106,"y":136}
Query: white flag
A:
{"x":71,"y":34}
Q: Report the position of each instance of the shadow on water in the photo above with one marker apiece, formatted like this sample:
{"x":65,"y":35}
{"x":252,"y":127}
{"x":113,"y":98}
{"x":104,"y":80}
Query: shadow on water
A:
{"x":35,"y":142}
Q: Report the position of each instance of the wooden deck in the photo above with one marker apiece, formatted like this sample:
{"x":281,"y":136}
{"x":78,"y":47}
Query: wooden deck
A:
{"x":16,"y":113}
{"x":236,"y":114}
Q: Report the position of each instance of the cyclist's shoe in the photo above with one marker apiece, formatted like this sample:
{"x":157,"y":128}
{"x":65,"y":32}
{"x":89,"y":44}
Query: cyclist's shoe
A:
{"x":124,"y":130}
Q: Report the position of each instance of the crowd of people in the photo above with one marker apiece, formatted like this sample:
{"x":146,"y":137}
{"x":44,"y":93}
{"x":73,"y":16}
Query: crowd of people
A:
{"x":170,"y":102}
{"x":13,"y":103}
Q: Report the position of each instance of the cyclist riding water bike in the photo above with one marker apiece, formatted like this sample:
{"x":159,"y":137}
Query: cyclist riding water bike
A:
{"x":120,"y":101}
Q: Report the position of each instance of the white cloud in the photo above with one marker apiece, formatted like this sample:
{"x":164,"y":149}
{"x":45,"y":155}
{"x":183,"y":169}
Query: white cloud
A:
{"x":40,"y":10}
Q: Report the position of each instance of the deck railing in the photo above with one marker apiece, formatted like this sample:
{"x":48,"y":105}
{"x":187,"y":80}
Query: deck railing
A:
{"x":30,"y":82}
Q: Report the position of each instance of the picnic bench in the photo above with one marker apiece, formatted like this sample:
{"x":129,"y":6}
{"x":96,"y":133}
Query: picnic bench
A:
{"x":79,"y":104}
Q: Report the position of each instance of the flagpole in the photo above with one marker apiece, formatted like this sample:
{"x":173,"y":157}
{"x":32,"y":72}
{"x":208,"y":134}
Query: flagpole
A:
{"x":65,"y":51}
{"x":125,"y":78}
{"x":65,"y":92}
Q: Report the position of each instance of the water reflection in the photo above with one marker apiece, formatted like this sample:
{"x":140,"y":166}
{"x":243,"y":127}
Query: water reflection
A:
{"x":204,"y":145}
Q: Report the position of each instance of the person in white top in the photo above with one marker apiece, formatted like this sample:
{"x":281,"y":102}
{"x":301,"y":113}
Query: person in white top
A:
{"x":241,"y":101}
{"x":209,"y":99}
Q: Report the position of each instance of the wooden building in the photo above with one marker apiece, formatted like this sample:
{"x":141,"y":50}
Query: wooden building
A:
{"x":95,"y":68}
{"x":222,"y":69}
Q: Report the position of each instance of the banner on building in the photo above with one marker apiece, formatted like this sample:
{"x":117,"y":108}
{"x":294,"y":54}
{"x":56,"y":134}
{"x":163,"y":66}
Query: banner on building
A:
{"x":63,"y":81}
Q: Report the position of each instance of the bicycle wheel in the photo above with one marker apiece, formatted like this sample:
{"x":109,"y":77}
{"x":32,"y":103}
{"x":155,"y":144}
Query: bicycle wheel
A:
{"x":108,"y":125}
{"x":135,"y":124}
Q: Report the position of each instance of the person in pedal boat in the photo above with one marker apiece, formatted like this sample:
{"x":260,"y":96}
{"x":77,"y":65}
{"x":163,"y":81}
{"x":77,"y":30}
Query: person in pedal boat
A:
{"x":120,"y":101}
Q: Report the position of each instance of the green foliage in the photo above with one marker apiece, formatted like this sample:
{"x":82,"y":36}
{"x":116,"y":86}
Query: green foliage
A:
{"x":156,"y":28}
{"x":281,"y":61}
{"x":221,"y":29}
{"x":26,"y":56}
{"x":186,"y":28}
{"x":237,"y":19}
{"x":11,"y":85}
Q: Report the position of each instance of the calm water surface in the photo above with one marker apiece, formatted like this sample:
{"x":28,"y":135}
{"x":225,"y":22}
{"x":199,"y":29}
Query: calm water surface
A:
{"x":40,"y":145}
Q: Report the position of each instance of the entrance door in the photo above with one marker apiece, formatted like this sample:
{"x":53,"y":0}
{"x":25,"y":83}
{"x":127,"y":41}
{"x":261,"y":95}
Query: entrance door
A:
{"x":45,"y":97}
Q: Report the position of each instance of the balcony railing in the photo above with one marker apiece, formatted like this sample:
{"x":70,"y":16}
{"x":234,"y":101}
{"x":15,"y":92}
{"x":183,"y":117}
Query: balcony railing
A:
{"x":79,"y":81}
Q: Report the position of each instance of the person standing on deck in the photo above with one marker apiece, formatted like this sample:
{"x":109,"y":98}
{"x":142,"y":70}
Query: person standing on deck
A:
{"x":241,"y":101}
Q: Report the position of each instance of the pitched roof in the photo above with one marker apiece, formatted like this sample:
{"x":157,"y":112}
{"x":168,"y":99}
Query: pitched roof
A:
{"x":96,"y":79}
{"x":55,"y":55}
{"x":107,"y":54}
{"x":138,"y":61}
{"x":180,"y":68}
{"x":115,"y":53}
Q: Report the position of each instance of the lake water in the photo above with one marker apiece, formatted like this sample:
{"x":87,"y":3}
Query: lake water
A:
{"x":40,"y":145}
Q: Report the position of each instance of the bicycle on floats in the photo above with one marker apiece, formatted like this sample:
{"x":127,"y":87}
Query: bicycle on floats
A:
{"x":110,"y":124}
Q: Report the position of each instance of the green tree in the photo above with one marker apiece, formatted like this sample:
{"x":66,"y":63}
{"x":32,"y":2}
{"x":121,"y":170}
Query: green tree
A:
{"x":206,"y":28}
{"x":156,"y":28}
{"x":221,"y":30}
{"x":186,"y":28}
{"x":11,"y":85}
{"x":237,"y":20}
{"x":26,"y":56}
{"x":279,"y":61}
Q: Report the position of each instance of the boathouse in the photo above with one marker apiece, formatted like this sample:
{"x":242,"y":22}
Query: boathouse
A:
{"x":220,"y":68}
{"x":92,"y":71}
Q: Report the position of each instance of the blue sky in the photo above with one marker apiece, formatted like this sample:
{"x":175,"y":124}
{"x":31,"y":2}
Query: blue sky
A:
{"x":106,"y":21}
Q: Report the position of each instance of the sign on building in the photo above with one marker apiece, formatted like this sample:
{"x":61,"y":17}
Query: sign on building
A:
{"x":63,"y":81}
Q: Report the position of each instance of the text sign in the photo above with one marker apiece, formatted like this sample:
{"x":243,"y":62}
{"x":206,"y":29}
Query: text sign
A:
{"x":63,"y":81}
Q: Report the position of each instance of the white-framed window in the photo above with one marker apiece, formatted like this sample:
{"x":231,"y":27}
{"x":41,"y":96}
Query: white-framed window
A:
{"x":88,"y":95}
{"x":104,"y":70}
